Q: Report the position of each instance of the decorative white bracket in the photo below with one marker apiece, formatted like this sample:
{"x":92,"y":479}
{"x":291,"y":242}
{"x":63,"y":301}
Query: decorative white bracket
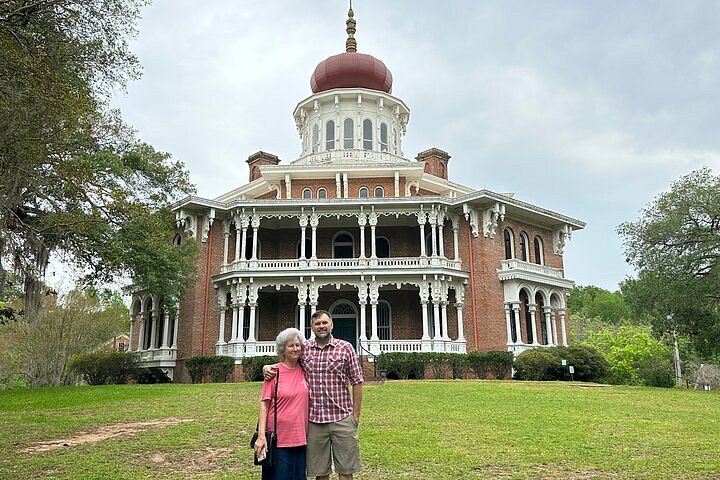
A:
{"x":471,"y":215}
{"x":560,"y":238}
{"x":491,"y":219}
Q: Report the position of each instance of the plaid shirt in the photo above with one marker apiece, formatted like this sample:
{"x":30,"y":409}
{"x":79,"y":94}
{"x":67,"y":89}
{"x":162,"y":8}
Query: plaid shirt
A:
{"x":329,"y":370}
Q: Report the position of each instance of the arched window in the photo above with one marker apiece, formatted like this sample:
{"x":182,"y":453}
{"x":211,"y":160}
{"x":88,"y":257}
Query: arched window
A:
{"x":383,"y":137}
{"x":524,"y":253}
{"x":538,"y":251}
{"x":306,"y":193}
{"x":363,"y":193}
{"x":382,"y":247}
{"x":315,"y":138}
{"x":379,"y":192}
{"x":321,"y":193}
{"x":441,"y":170}
{"x":343,"y":246}
{"x":330,"y":135}
{"x":348,"y":133}
{"x":384,"y":322}
{"x":508,"y":236}
{"x":367,"y":135}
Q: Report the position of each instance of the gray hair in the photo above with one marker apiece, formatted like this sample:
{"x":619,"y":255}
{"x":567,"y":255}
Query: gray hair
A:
{"x":284,"y":337}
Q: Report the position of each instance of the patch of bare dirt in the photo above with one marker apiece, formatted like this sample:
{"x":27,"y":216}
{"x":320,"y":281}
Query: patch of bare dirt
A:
{"x":101,"y":433}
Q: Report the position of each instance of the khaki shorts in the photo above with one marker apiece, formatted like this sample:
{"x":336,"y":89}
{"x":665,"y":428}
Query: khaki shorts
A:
{"x":340,"y":438}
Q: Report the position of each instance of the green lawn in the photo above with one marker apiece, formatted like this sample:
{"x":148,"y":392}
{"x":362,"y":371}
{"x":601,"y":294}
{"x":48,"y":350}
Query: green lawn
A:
{"x":409,"y":430}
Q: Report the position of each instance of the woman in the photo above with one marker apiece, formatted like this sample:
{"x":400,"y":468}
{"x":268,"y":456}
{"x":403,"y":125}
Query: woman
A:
{"x":292,"y":410}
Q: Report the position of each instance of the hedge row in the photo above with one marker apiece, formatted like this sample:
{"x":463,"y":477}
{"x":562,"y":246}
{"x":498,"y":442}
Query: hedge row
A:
{"x":110,"y":367}
{"x":417,"y":365}
{"x":217,"y":367}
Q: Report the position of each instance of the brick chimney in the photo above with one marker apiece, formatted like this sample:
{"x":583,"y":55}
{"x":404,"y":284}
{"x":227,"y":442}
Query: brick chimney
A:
{"x":256,"y":160}
{"x":436,"y":162}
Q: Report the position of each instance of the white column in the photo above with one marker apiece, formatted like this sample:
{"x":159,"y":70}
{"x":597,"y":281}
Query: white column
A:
{"x":443,"y":312}
{"x":226,"y":245}
{"x":155,"y":323}
{"x":533,"y":309}
{"x":373,"y":321}
{"x":460,"y":329}
{"x":166,"y":328}
{"x":518,"y":333}
{"x":255,"y":227}
{"x":433,"y":233}
{"x":362,"y":300}
{"x":133,"y":321}
{"x":234,"y":326}
{"x":345,"y":185}
{"x":251,"y":336}
{"x":456,"y":252}
{"x":176,"y":325}
{"x":362,"y":220}
{"x":221,"y":333}
{"x":301,"y":320}
{"x":314,"y":221}
{"x":441,"y":247}
{"x":508,"y":326}
{"x":397,"y":184}
{"x":562,"y":327}
{"x":338,"y":190}
{"x":141,"y":329}
{"x":436,"y":319}
{"x":422,"y":220}
{"x":372,"y":220}
{"x":424,"y":306}
{"x":551,"y":327}
{"x":243,"y":238}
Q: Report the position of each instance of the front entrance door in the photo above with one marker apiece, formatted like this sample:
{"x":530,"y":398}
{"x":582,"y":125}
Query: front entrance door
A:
{"x":345,"y":323}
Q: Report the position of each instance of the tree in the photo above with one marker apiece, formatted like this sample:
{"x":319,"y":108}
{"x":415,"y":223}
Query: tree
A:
{"x":74,"y":181}
{"x":594,"y":302}
{"x":76,"y":323}
{"x":675,"y":246}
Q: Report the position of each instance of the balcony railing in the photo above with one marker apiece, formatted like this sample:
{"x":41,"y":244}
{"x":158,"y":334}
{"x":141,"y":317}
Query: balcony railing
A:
{"x":293,"y":265}
{"x":515,"y":264}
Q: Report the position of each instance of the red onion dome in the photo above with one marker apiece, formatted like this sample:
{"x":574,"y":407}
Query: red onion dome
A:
{"x":351,"y":70}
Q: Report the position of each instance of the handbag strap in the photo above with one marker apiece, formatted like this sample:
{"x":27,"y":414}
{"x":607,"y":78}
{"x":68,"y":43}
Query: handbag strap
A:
{"x":277,"y":381}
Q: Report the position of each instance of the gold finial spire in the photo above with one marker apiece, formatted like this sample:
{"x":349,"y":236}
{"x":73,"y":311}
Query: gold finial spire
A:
{"x":350,"y":43}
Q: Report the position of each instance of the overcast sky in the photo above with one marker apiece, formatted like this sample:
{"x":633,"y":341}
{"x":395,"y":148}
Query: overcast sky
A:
{"x":589,"y":109}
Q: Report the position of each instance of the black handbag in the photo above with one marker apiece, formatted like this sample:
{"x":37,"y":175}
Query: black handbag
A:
{"x":270,"y":437}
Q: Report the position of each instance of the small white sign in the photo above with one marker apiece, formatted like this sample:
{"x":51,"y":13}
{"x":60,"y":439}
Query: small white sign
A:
{"x":572,"y":369}
{"x":564,"y":362}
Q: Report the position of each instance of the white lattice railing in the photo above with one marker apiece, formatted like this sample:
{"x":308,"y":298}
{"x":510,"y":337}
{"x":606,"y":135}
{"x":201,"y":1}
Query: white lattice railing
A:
{"x":294,"y":265}
{"x":515,"y":264}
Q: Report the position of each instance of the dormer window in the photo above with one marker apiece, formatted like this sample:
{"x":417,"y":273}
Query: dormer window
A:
{"x":367,"y":135}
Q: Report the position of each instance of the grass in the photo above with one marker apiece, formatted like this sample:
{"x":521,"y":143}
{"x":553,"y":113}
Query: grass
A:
{"x":409,"y":430}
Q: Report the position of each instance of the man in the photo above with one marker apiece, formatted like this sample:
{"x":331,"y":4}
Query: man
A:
{"x":330,"y":365}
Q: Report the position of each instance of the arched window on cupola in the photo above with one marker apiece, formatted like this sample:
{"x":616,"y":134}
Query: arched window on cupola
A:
{"x":321,"y":193}
{"x":524,"y":252}
{"x":383,"y":137}
{"x":508,"y":237}
{"x":330,"y":135}
{"x":538,"y":251}
{"x":367,"y":135}
{"x":363,"y":192}
{"x":315,"y":138}
{"x":348,"y":133}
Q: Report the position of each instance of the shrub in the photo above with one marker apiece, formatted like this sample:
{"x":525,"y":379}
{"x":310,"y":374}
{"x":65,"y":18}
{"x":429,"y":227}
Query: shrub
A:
{"x":102,"y":368}
{"x":538,"y":364}
{"x":657,"y":371}
{"x":217,"y":367}
{"x":437,"y":363}
{"x":589,"y":364}
{"x":403,"y":365}
{"x":252,"y":367}
{"x":150,"y":375}
{"x":495,"y":363}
